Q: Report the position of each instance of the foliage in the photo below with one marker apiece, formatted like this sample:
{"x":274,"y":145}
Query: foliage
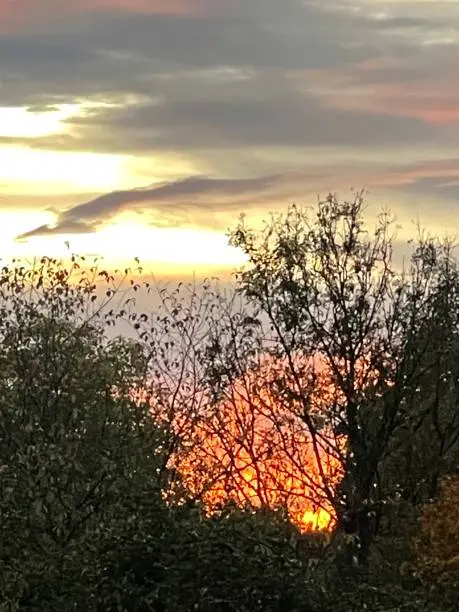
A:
{"x":168,"y":468}
{"x":326,"y":286}
{"x":84,"y":524}
{"x":437,"y":545}
{"x":237,"y":561}
{"x":74,"y":443}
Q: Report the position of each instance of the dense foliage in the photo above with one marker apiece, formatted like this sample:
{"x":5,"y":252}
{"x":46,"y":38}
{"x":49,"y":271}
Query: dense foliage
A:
{"x":177,"y":465}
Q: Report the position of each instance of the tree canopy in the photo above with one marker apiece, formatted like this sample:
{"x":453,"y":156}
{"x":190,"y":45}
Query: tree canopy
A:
{"x":290,"y":444}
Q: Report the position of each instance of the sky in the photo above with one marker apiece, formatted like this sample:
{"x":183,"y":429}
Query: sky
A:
{"x":145,"y":127}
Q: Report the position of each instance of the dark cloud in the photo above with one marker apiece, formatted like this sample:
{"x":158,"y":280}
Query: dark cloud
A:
{"x":224,"y":79}
{"x":66,"y":227}
{"x":285,"y":118}
{"x":237,"y":111}
{"x":169,"y":198}
{"x":71,"y":54}
{"x":117,"y":51}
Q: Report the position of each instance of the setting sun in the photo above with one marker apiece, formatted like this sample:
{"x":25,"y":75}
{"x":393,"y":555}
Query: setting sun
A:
{"x":256,"y":450}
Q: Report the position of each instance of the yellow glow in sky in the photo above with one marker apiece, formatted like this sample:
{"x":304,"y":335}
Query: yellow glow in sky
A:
{"x":28,"y":171}
{"x":32,"y":171}
{"x":20,"y":122}
{"x":181,"y":246}
{"x":118,"y":244}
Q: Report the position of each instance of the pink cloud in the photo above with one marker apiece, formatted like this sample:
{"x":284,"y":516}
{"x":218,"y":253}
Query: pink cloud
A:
{"x":447,"y":169}
{"x":378,"y":87}
{"x":18,"y":14}
{"x":162,"y":7}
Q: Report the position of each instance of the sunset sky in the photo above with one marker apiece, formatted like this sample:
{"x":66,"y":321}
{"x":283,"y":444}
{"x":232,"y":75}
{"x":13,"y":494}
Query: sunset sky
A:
{"x":144,"y":127}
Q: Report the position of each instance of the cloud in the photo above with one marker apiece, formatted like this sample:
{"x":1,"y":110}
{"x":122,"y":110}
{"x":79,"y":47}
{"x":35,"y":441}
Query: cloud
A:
{"x":238,"y":118}
{"x":66,"y":227}
{"x":401,"y":89}
{"x":265,"y":74}
{"x":169,"y":198}
{"x":291,"y":91}
{"x":200,"y":200}
{"x":19,"y":15}
{"x":71,"y":56}
{"x":88,"y":47}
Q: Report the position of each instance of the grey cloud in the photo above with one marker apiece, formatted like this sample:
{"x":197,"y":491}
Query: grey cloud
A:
{"x":121,"y":52}
{"x":167,"y":199}
{"x":432,"y":187}
{"x":291,"y":119}
{"x":211,"y":201}
{"x":66,"y":227}
{"x":259,"y":33}
{"x":230,"y":84}
{"x":43,"y":71}
{"x":204,"y":112}
{"x":238,"y":119}
{"x":177,"y":66}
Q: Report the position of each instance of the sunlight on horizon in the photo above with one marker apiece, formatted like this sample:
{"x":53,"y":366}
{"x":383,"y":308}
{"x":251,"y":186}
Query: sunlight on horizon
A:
{"x":119,"y":243}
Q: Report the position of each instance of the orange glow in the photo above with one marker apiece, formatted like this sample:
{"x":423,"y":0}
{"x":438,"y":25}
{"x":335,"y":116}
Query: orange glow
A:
{"x":254,"y":447}
{"x":256,"y":450}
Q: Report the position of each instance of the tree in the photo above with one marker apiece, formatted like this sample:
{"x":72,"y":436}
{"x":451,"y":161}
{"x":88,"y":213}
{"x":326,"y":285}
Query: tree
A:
{"x":233,"y":443}
{"x":428,"y":437}
{"x":437,"y":543}
{"x":165,"y":471}
{"x":76,"y":448}
{"x":327,"y":289}
{"x":86,"y":514}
